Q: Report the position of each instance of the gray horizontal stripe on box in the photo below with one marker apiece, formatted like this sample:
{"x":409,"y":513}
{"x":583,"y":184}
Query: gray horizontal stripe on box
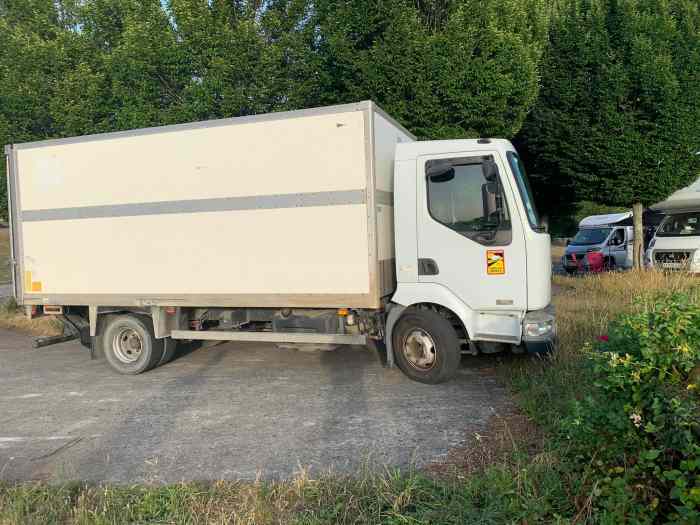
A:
{"x":257,"y":202}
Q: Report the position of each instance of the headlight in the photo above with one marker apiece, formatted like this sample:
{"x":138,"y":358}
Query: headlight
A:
{"x":539,"y":328}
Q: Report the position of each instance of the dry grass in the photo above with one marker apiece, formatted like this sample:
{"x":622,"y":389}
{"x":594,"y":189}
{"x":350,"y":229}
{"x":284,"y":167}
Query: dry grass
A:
{"x":16,"y":320}
{"x":585,"y":305}
{"x":507,"y":439}
{"x":4,"y":255}
{"x":557,"y":254}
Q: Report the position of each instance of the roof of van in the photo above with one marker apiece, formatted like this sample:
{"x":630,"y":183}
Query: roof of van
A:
{"x":604,"y":220}
{"x":685,"y":199}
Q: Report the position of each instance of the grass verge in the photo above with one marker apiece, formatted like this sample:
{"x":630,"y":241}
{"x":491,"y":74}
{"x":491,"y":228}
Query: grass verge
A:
{"x":585,"y":306}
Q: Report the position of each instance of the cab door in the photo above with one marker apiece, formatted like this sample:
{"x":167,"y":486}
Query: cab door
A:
{"x":619,"y":244}
{"x":470,"y":236}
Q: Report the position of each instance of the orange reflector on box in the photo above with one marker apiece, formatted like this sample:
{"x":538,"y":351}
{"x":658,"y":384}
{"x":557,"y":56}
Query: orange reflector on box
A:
{"x":53,"y":310}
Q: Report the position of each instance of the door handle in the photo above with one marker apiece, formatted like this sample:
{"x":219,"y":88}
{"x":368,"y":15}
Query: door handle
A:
{"x":427,"y":267}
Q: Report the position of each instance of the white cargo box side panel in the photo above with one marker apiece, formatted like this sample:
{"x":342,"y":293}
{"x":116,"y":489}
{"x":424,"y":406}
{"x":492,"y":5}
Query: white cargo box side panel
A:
{"x":386,"y":134}
{"x":244,"y":212}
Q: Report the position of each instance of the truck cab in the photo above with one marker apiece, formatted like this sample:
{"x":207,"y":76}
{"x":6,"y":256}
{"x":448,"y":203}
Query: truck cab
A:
{"x":469,"y":242}
{"x":610,"y":235}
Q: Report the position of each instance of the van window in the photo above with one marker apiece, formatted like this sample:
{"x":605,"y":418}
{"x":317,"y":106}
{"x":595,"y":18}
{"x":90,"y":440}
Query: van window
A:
{"x":466,"y":195}
{"x":680,"y":225}
{"x":589,"y":236}
{"x":618,"y":238}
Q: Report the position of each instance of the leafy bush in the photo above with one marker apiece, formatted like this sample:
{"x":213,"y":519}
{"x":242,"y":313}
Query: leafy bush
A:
{"x":637,"y":434}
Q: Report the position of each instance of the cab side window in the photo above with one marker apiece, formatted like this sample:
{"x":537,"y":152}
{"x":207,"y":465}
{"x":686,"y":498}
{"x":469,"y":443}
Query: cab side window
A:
{"x":466,"y":195}
{"x":618,"y":238}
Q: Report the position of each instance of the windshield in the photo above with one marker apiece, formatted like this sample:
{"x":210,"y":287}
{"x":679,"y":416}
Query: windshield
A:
{"x":591,"y":236}
{"x":680,"y":225}
{"x":516,"y":165}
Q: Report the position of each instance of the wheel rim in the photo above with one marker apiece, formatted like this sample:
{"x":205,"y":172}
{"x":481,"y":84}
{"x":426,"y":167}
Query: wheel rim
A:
{"x":127,"y":345}
{"x":419,"y":350}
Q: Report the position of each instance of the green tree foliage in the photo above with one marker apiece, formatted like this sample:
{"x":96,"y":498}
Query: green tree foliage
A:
{"x":475,"y":76}
{"x":445,"y":68}
{"x":618,"y":117}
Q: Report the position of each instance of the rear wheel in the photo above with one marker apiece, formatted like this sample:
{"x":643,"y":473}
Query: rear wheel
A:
{"x":129,"y":344}
{"x":169,"y":348}
{"x":426,"y":346}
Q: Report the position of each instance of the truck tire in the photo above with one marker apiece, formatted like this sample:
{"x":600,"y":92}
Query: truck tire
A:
{"x":169,"y":347}
{"x":426,"y":346}
{"x":129,"y":344}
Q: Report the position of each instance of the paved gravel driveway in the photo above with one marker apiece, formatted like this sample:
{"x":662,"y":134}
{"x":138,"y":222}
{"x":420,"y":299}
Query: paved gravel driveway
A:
{"x":226,"y":412}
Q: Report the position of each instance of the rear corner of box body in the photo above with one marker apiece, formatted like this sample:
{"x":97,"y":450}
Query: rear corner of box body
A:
{"x":386,"y":133}
{"x":261,"y":212}
{"x":14,"y":218}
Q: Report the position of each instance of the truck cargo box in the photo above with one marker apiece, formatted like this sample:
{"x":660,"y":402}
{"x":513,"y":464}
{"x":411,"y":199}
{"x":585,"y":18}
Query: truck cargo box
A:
{"x":289,"y":209}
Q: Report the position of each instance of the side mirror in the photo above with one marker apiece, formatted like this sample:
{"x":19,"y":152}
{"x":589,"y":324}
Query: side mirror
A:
{"x":489,"y":169}
{"x":489,"y":191}
{"x":440,"y":170}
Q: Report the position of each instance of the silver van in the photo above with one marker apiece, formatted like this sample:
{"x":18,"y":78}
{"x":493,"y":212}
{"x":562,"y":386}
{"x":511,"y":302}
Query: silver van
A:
{"x":612,"y":235}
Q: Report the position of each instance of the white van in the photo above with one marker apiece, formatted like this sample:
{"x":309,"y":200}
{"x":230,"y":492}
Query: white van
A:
{"x":676,"y":244}
{"x":612,"y":235}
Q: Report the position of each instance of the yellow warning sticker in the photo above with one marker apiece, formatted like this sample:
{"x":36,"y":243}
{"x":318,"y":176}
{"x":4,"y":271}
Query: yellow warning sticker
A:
{"x":495,"y":262}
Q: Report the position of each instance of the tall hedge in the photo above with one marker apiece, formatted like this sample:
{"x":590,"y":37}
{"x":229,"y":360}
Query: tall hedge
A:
{"x":444,"y":68}
{"x":618,"y":116}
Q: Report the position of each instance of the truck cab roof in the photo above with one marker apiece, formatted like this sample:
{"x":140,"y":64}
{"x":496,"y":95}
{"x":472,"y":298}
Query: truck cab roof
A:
{"x":413,"y":150}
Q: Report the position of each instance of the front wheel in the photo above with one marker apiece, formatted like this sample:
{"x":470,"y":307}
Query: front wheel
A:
{"x":426,"y":346}
{"x":129,"y":344}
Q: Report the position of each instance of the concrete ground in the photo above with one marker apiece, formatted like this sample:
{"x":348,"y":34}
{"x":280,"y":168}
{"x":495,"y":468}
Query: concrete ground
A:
{"x":232,"y":411}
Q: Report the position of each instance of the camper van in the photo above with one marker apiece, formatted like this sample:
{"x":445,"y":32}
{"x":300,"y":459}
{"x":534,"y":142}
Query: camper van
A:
{"x":610,"y":235}
{"x":676,"y":244}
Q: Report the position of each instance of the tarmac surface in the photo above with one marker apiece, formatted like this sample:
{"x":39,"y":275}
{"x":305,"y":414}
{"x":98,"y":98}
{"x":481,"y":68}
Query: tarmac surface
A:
{"x":231,"y":411}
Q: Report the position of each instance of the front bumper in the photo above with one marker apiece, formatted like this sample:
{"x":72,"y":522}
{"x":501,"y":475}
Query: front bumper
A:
{"x":540,"y":331}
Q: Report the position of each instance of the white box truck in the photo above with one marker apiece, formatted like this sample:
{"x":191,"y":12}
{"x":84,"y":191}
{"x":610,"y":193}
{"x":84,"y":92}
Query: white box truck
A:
{"x":676,"y":243}
{"x":323,"y":226}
